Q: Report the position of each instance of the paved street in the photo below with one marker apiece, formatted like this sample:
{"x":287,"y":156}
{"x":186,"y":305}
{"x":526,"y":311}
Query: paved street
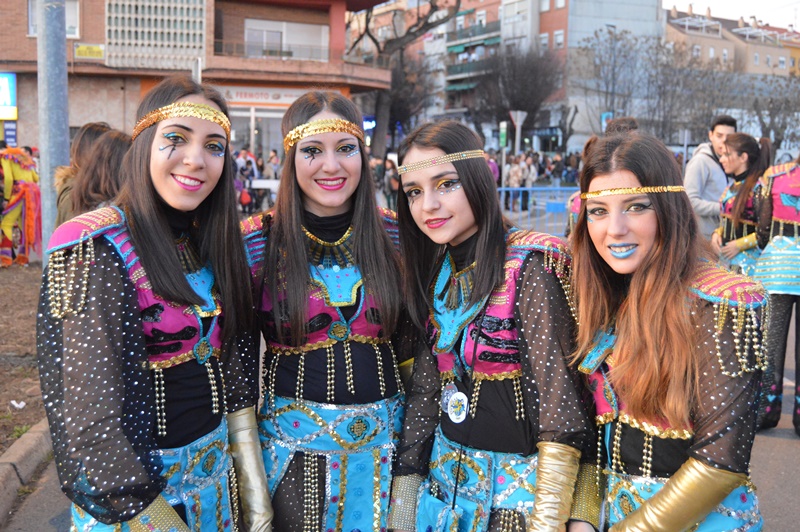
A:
{"x":775,"y":466}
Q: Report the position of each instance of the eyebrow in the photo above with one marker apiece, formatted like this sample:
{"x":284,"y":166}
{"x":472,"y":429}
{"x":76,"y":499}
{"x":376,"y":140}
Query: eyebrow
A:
{"x":433,"y":178}
{"x":310,"y":142}
{"x":190,"y":130}
{"x":599,"y":201}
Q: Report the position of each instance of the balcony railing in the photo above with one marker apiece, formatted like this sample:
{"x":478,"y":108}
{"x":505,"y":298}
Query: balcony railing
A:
{"x":467,"y":68}
{"x":258,"y":50}
{"x":474,"y":31}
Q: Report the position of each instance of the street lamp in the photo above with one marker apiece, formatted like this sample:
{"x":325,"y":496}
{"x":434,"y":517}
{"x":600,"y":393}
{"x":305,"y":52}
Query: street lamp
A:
{"x":613,"y":29}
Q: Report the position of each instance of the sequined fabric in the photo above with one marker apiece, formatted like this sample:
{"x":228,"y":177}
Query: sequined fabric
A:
{"x":744,"y":262}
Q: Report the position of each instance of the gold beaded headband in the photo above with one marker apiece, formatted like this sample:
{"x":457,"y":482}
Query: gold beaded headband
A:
{"x":434,"y":161}
{"x":178,"y":109}
{"x":631,"y":190}
{"x":326,"y":125}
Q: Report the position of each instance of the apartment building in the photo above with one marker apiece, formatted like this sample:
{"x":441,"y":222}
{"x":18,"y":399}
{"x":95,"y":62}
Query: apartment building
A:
{"x":262,"y":54}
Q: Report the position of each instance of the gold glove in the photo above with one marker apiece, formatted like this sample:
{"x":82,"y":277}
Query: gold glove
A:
{"x":746,"y":242}
{"x":687,"y":497}
{"x":556,"y":473}
{"x":251,"y":476}
{"x":158,"y":516}
{"x":406,"y":368}
{"x":403,"y":507}
{"x":587,"y":500}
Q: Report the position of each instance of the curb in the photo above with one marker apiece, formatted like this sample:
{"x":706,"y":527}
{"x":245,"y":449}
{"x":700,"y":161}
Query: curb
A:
{"x":19,"y":463}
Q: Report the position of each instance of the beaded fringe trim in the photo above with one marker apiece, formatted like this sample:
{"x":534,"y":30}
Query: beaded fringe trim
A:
{"x":65,"y":281}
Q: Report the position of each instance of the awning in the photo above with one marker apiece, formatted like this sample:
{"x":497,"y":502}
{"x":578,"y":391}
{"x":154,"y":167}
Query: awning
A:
{"x":461,"y":86}
{"x":465,"y":12}
{"x":455,"y":49}
{"x":492,"y":40}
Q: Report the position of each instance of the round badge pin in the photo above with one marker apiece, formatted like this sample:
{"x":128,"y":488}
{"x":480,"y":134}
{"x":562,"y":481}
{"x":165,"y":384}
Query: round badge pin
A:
{"x":447,"y":393}
{"x":457,"y":407}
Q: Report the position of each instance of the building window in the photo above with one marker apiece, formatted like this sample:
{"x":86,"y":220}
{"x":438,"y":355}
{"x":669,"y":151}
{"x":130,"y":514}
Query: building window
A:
{"x":696,"y":50}
{"x":769,"y":61}
{"x":544,"y":41}
{"x":480,"y":18}
{"x":459,"y":22}
{"x":560,"y":3}
{"x":558,"y":39}
{"x":711,"y":52}
{"x":724,"y":55}
{"x":71,"y":14}
{"x":782,"y":63}
{"x":791,"y":62}
{"x":544,"y":5}
{"x":755,"y":58}
{"x":279,"y":39}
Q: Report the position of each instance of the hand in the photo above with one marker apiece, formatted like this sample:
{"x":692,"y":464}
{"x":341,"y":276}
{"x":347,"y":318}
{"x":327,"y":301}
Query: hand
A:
{"x":579,"y":526}
{"x":729,"y":250}
{"x":716,"y":243}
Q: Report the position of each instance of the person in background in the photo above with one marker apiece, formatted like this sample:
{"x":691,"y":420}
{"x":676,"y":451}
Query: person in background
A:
{"x":778,"y":268}
{"x":490,"y":160}
{"x":670,"y":344}
{"x":392,"y":183}
{"x":705,"y":179}
{"x":744,"y":159}
{"x":79,"y":152}
{"x":142,"y":336}
{"x":21,"y":206}
{"x":99,"y":181}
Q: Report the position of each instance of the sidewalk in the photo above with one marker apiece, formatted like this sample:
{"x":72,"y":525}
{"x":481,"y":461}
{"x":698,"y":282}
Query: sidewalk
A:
{"x":20,"y":462}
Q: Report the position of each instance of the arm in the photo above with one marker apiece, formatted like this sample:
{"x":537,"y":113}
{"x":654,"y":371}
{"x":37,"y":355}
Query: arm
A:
{"x":724,"y":429}
{"x":763,"y":206}
{"x":546,"y":331}
{"x":695,"y":180}
{"x":416,"y":440}
{"x":99,"y":398}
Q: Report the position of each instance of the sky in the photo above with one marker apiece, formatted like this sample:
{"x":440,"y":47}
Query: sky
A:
{"x":779,"y":13}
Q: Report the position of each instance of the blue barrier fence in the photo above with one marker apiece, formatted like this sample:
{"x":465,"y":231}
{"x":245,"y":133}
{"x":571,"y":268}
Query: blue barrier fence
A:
{"x":543,"y":209}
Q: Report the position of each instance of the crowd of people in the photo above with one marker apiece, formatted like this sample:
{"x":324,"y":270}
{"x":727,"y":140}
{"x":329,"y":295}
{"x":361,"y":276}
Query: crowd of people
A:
{"x":325,"y":363}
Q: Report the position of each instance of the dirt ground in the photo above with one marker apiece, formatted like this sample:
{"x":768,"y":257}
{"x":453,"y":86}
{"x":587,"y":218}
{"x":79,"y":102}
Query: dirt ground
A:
{"x":19,"y":378}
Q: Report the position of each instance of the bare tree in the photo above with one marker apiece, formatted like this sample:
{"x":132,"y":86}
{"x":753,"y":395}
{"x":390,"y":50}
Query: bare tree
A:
{"x":565,"y":122}
{"x":408,"y":96}
{"x":428,"y":16}
{"x":516,"y":80}
{"x":775,"y":106}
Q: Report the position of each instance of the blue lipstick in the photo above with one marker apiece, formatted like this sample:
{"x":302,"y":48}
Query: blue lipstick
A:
{"x":624,"y":253}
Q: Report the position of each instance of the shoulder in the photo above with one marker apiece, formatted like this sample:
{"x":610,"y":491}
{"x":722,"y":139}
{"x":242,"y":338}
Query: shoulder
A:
{"x":780,"y":170}
{"x":18,"y":157}
{"x":722,"y":287}
{"x":86,"y":226}
{"x":523,"y":243}
{"x":254,"y":239}
{"x":254,"y":225}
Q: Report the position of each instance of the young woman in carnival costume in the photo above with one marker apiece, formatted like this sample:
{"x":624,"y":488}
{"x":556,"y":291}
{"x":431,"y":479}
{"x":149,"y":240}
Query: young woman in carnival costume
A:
{"x":150,"y":408}
{"x":326,"y":271}
{"x":494,"y":425}
{"x":778,"y":269}
{"x":671,"y":345}
{"x":745,"y":159}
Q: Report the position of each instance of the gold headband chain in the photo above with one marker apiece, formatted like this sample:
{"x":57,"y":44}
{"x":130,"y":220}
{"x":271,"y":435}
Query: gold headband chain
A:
{"x":434,"y":161}
{"x":317,"y":127}
{"x":179,"y":109}
{"x":631,"y":190}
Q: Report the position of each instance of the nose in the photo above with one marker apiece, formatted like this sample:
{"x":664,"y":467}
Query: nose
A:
{"x":330,"y":164}
{"x":430,"y":201}
{"x":194,"y":155}
{"x":618,"y":224}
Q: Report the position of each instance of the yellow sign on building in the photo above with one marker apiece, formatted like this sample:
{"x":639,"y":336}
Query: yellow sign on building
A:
{"x":90,"y":51}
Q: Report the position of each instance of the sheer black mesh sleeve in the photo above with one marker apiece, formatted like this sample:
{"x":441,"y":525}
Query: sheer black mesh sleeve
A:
{"x":763,"y":207}
{"x":241,"y":373}
{"x":422,"y":413}
{"x":725,"y":421}
{"x":98,"y":394}
{"x":547,"y":332}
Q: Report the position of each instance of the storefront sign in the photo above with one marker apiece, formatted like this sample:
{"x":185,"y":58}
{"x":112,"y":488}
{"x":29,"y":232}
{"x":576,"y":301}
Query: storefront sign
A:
{"x":8,"y":96}
{"x":89,"y":51}
{"x":10,"y":133}
{"x":260,"y":96}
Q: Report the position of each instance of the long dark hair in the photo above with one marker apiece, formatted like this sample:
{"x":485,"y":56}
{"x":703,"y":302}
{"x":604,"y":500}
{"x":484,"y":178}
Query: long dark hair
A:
{"x":217,"y":234}
{"x":99,"y":179}
{"x":759,"y":158}
{"x":420,"y":253}
{"x":287,"y":255}
{"x":656,"y":349}
{"x":80,"y":149}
